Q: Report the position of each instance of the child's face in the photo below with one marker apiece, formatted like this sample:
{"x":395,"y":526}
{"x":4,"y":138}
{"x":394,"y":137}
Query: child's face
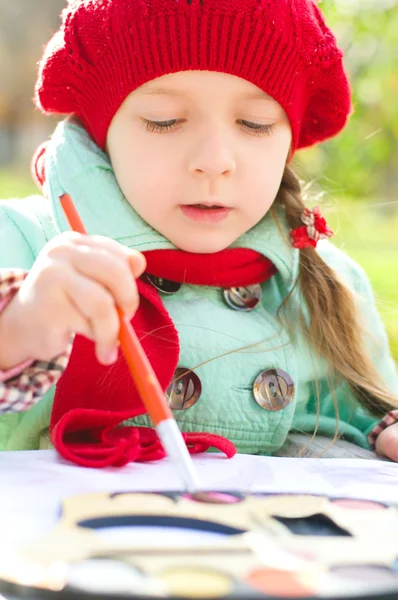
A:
{"x":195,"y":138}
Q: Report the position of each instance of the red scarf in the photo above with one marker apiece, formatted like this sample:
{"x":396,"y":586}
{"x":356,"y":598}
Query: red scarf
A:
{"x":91,"y":400}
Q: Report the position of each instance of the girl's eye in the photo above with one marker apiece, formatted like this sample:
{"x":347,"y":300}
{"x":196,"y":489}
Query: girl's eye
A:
{"x":257,"y":128}
{"x":253,"y":128}
{"x":161,"y":126}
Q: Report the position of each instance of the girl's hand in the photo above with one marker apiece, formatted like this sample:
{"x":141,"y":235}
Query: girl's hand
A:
{"x":73,"y":287}
{"x":387,"y":442}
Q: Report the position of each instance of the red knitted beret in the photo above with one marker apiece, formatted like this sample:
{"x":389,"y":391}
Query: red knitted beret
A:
{"x":107,"y":48}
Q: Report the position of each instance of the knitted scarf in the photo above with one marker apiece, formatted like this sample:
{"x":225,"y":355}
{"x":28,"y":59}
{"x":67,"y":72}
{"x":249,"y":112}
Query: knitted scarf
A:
{"x":92,"y":400}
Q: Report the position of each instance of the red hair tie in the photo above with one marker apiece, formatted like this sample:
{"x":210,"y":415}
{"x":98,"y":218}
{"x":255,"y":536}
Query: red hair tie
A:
{"x":315,"y":228}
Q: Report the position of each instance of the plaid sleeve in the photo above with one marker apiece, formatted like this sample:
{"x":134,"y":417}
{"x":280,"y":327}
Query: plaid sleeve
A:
{"x":25,"y":384}
{"x":390,"y":419}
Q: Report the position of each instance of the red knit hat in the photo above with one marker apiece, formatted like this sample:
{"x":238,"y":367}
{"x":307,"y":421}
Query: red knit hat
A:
{"x":107,"y":48}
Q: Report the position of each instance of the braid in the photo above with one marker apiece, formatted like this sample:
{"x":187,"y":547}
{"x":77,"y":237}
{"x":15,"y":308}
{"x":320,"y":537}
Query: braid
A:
{"x":333,"y":329}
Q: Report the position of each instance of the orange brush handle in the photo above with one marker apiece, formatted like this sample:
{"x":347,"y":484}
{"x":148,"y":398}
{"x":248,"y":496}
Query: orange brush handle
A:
{"x":143,"y":375}
{"x":75,"y":222}
{"x":140,"y":368}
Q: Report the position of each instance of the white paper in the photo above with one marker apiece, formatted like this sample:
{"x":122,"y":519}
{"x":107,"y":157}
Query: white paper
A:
{"x":33,"y":484}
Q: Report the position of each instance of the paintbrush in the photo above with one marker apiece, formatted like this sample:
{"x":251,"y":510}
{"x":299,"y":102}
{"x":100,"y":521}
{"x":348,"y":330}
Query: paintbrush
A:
{"x":145,"y":379}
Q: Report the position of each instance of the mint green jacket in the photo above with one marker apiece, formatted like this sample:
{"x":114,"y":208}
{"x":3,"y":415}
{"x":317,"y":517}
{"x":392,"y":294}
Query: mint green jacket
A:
{"x":207,"y":326}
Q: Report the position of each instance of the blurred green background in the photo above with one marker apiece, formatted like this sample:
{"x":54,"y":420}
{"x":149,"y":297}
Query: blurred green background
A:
{"x":355,"y":176}
{"x":357,"y":172}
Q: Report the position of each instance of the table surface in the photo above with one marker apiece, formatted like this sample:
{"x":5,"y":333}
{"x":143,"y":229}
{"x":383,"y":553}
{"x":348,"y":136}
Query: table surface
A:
{"x":299,"y":445}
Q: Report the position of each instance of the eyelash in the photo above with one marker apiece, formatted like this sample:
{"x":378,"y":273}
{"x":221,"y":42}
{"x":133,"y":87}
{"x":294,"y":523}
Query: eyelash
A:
{"x":257,"y":128}
{"x":164,"y":126}
{"x":160,"y":126}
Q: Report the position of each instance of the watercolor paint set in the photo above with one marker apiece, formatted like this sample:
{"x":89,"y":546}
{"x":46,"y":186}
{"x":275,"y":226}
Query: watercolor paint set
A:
{"x":209,"y":545}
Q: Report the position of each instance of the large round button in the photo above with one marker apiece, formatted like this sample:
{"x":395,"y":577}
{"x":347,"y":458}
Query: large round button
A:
{"x":185,"y":390}
{"x":273,"y":389}
{"x":163,"y":285}
{"x":243,"y":298}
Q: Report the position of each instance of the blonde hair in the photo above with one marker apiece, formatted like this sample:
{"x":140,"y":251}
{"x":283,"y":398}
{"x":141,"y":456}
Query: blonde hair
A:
{"x":333,"y":330}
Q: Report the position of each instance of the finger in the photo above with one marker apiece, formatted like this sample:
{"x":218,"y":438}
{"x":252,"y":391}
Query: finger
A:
{"x":58,"y":338}
{"x":387,"y":442}
{"x":97,"y":307}
{"x":77,"y":322}
{"x":54,"y":335}
{"x":110,"y":272}
{"x":137,"y":263}
{"x":136,"y":259}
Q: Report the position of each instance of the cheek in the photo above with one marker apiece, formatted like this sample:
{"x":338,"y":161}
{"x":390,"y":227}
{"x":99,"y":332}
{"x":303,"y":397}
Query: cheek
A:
{"x":271,"y":165}
{"x":142,"y":174}
{"x":265,"y":176}
{"x":147,"y":183}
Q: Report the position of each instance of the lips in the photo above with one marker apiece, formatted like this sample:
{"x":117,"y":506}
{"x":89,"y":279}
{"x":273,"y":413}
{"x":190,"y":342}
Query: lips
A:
{"x":206,"y":212}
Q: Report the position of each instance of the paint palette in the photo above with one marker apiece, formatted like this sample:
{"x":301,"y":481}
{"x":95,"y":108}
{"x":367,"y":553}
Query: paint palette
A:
{"x":210,"y":545}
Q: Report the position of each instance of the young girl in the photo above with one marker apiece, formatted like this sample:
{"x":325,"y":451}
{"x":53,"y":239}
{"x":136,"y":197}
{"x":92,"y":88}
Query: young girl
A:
{"x":183,"y":118}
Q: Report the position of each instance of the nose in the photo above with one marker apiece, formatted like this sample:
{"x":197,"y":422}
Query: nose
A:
{"x":212,"y":156}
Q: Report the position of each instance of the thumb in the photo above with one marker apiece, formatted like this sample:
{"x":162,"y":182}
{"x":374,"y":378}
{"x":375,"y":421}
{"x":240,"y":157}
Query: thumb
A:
{"x":387,"y":442}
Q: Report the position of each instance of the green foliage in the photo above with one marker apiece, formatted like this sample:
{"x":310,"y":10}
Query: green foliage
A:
{"x":363,"y":160}
{"x":15,"y":184}
{"x":358,"y":170}
{"x":369,"y":236}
